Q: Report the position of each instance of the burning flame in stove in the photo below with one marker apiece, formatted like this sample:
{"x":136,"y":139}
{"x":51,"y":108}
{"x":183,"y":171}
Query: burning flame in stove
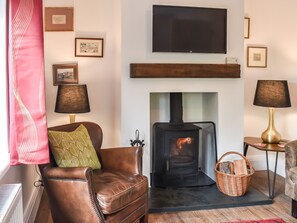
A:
{"x":181,"y":141}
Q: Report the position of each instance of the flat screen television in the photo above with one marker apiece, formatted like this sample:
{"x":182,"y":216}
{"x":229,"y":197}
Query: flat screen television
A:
{"x":189,"y":29}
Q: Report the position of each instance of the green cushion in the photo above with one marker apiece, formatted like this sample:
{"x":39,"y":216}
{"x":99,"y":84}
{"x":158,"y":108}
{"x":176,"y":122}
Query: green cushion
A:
{"x":73,"y":149}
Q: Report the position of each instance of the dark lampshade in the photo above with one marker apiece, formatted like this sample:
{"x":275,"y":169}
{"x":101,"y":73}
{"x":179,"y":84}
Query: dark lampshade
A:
{"x":272,"y":93}
{"x":72,"y":99}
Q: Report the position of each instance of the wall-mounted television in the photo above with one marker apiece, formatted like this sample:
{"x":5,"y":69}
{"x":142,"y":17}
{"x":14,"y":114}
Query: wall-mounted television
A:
{"x":189,"y":29}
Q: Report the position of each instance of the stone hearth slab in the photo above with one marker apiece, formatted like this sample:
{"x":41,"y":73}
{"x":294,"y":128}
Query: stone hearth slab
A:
{"x":199,"y":198}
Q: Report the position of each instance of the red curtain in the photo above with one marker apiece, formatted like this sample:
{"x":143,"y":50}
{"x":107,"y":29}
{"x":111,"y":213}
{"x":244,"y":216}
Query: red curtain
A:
{"x":28,"y":140}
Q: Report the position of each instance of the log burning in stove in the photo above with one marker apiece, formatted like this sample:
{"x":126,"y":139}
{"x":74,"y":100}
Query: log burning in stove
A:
{"x":175,"y":155}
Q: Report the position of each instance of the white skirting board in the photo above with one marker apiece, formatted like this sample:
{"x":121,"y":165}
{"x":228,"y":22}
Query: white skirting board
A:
{"x":31,"y":209}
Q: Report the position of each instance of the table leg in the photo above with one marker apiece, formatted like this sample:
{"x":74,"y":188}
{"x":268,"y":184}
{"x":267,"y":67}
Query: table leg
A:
{"x":271,"y":187}
{"x":274,"y":177}
{"x":268,"y":175}
{"x":245,"y":148}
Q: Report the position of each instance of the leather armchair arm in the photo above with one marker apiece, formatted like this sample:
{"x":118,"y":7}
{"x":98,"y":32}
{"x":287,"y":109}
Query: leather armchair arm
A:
{"x":70,"y":189}
{"x":128,"y":159}
{"x":75,"y":173}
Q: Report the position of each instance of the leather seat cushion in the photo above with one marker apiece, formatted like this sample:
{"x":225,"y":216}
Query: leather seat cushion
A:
{"x":116,"y":190}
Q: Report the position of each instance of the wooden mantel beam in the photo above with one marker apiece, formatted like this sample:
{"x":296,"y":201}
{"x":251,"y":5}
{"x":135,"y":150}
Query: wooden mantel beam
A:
{"x":176,"y":70}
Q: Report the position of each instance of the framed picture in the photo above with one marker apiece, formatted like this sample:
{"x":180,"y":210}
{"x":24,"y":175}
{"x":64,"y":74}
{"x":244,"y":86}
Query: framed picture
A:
{"x":257,"y":56}
{"x":89,"y":47}
{"x":58,"y":19}
{"x":65,"y":73}
{"x":246,"y":27}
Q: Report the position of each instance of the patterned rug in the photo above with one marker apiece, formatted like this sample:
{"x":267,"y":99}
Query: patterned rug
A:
{"x":275,"y":220}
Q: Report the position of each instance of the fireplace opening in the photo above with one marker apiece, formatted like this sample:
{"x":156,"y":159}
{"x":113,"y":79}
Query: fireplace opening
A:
{"x":178,"y":157}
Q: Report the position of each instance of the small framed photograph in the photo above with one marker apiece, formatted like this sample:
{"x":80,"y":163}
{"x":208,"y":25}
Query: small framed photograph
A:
{"x":246,"y":27}
{"x":58,"y":18}
{"x":89,"y":47}
{"x":257,"y":57}
{"x":65,"y":74}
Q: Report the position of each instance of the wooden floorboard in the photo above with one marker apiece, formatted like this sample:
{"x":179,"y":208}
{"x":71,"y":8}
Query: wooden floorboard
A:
{"x":281,"y":208}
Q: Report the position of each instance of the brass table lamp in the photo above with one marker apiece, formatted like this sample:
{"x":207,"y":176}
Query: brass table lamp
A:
{"x":272,"y":94}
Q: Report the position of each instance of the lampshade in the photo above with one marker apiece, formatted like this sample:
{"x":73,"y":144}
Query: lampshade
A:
{"x":272,"y":93}
{"x":72,"y":99}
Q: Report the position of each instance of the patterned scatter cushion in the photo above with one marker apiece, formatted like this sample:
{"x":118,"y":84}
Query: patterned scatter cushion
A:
{"x":73,"y":149}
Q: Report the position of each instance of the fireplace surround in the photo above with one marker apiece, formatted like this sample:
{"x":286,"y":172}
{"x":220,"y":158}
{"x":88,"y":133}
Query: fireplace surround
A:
{"x":144,"y":100}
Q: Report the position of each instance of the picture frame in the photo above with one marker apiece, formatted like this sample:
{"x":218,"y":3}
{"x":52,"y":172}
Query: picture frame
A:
{"x":247,"y":27}
{"x":257,"y":57}
{"x":65,"y":74}
{"x":89,"y":47}
{"x":58,"y":19}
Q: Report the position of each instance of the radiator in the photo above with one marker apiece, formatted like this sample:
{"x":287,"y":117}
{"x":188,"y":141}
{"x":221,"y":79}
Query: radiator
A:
{"x":11,"y":204}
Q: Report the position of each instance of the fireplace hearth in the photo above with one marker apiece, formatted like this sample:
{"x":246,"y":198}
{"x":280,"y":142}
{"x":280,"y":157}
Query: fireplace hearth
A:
{"x":179,"y":158}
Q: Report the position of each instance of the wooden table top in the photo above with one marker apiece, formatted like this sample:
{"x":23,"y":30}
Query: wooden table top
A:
{"x":257,"y":143}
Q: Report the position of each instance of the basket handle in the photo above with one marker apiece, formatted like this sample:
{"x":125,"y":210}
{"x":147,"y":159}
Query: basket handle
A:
{"x":233,"y":152}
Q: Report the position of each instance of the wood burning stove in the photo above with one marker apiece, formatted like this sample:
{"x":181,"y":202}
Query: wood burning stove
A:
{"x":176,"y":148}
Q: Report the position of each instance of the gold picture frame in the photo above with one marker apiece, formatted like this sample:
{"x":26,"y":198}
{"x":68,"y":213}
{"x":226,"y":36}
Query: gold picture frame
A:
{"x":58,"y":19}
{"x":247,"y":22}
{"x":89,"y":47}
{"x":257,"y":57}
{"x":65,"y":74}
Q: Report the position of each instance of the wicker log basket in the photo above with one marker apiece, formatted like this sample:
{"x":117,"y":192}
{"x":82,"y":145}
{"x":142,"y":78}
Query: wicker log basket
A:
{"x":230,"y":184}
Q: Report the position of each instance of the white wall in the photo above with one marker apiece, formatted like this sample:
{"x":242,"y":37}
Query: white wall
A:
{"x":272,"y":25}
{"x":126,"y":28}
{"x":92,"y":19}
{"x":135,"y":94}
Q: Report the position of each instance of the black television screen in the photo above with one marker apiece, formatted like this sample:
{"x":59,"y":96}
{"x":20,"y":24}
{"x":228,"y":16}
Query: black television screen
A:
{"x":189,"y":29}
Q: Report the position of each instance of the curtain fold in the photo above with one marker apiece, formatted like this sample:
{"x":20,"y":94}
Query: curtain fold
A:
{"x":26,"y":100}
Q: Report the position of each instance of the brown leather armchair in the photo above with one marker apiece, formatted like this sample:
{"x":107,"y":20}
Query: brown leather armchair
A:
{"x":291,"y":174}
{"x":117,"y":192}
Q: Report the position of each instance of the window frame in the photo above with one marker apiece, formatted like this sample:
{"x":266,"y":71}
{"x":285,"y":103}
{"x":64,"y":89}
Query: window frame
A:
{"x":4,"y":146}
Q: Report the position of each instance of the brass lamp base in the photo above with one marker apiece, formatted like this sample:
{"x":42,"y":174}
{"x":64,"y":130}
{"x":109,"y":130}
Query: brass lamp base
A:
{"x":270,"y":135}
{"x":71,"y":118}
